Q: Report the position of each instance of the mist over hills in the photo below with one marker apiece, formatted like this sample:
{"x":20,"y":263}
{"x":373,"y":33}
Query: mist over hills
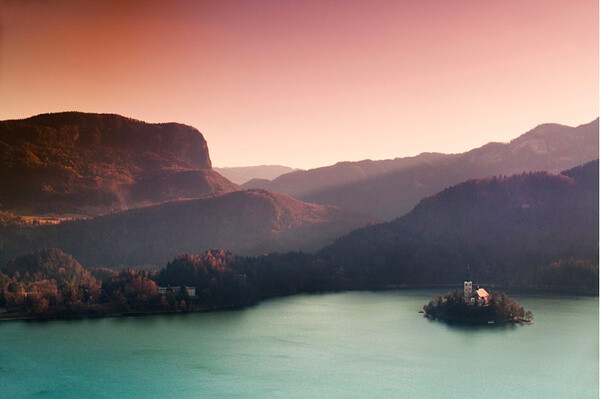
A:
{"x":391,"y":188}
{"x":246,"y":222}
{"x":532,"y":229}
{"x":303,"y":182}
{"x":162,"y":198}
{"x":139,"y":175}
{"x":243,"y":174}
{"x":82,"y":163}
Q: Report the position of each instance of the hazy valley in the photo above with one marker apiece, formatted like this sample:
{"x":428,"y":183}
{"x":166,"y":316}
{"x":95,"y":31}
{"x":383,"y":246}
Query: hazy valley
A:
{"x":242,"y":174}
{"x":250,"y":222}
{"x":388,"y":189}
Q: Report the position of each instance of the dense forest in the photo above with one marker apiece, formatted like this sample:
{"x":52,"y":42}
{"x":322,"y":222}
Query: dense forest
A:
{"x":50,"y":283}
{"x":532,"y":230}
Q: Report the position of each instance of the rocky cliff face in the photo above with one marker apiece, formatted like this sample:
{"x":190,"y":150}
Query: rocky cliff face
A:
{"x":84,"y":163}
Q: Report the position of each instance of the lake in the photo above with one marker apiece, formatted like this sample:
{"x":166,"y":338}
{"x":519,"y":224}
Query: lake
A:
{"x":357,"y":344}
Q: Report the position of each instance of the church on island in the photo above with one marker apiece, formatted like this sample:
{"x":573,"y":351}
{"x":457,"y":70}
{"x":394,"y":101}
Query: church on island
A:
{"x":480,"y":296}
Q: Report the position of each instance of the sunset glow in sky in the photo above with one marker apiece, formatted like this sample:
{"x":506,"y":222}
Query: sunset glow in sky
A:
{"x":308,"y":83}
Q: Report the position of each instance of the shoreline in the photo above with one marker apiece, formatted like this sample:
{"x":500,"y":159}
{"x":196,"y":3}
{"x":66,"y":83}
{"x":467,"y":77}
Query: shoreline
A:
{"x":121,"y":314}
{"x":19,"y":316}
{"x":518,"y":320}
{"x":497,"y":287}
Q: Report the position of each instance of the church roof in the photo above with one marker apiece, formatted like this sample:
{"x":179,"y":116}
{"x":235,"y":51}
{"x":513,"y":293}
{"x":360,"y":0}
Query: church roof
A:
{"x":482,"y":293}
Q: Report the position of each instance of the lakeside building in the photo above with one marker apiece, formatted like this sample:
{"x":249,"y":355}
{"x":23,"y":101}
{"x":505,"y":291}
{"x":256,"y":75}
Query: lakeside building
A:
{"x":481,"y":296}
{"x":191,"y":291}
{"x":468,"y":290}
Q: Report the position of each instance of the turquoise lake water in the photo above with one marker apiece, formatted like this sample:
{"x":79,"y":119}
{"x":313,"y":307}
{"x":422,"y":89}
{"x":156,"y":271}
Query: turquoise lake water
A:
{"x":359,"y":344}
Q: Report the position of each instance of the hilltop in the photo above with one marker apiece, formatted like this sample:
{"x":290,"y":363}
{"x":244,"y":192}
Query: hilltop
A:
{"x":391,"y":188}
{"x":248,"y":222}
{"x":89,"y":164}
{"x":534,"y":229}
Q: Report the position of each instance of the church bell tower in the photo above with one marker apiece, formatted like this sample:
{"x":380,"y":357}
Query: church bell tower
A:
{"x":468,"y":286}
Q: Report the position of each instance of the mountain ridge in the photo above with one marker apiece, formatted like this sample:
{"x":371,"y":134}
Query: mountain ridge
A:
{"x":84,"y":163}
{"x":550,"y":147}
{"x":249,"y":222}
{"x":509,"y":229}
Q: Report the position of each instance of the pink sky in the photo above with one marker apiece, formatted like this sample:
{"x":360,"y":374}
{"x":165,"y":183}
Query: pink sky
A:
{"x":308,"y":83}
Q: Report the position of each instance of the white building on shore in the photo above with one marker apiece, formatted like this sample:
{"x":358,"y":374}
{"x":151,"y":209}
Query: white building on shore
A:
{"x":191,"y":291}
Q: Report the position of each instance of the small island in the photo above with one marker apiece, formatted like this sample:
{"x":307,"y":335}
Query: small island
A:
{"x":477,"y":307}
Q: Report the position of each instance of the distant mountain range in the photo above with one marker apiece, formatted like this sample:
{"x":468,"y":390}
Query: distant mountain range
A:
{"x":246,"y":222}
{"x":152,"y":194}
{"x":243,"y":174}
{"x":89,"y":164}
{"x":390,"y":188}
{"x":532,"y":229}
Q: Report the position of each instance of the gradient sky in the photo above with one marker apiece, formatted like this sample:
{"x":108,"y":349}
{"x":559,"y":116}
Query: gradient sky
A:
{"x":308,"y":83}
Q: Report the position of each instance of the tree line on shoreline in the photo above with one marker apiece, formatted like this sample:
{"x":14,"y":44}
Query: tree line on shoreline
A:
{"x":50,"y":283}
